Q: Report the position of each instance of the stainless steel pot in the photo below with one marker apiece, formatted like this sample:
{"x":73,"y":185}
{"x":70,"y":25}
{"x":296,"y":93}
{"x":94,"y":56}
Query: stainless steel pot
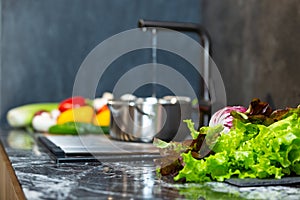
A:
{"x":143,"y":119}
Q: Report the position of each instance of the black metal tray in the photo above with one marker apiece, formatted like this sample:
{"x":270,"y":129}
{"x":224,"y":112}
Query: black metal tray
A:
{"x":65,"y":149}
{"x":254,"y":182}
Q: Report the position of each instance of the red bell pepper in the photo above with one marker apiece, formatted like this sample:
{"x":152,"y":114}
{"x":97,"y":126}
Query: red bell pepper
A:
{"x":72,"y":102}
{"x":105,"y":107}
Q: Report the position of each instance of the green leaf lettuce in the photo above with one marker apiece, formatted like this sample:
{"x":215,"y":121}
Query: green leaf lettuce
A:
{"x":249,"y":151}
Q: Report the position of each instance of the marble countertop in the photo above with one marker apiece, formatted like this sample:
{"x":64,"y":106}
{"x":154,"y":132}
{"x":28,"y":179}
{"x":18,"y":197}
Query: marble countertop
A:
{"x":41,"y":178}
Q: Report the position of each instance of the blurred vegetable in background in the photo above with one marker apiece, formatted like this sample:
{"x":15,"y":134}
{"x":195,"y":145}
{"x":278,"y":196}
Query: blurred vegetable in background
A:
{"x":93,"y":115}
{"x":72,"y":102}
{"x":21,"y":116}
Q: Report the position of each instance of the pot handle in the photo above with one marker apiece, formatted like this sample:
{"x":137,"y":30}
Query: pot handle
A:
{"x":113,"y":110}
{"x":142,"y":112}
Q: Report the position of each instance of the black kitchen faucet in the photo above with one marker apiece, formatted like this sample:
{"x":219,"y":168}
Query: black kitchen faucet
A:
{"x":204,"y":103}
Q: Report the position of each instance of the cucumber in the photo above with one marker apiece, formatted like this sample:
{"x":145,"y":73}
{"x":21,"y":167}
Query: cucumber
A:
{"x":74,"y":128}
{"x":63,"y":129}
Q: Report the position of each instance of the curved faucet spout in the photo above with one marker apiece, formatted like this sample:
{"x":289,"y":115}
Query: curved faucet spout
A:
{"x":205,"y":42}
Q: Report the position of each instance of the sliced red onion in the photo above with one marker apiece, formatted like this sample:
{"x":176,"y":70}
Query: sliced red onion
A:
{"x":223,"y":117}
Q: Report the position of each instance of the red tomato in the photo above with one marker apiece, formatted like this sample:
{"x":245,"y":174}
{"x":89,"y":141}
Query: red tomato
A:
{"x":72,"y":102}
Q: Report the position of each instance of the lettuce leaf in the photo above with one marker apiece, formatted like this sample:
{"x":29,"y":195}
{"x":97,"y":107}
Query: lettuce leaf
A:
{"x":249,"y":151}
{"x":190,"y":124}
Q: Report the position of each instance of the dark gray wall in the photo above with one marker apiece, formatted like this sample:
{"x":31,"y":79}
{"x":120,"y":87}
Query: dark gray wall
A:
{"x":43,"y":42}
{"x":256,"y":47}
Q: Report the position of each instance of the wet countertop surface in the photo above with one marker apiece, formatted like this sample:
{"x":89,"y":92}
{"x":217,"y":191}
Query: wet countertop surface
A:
{"x":41,"y":178}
